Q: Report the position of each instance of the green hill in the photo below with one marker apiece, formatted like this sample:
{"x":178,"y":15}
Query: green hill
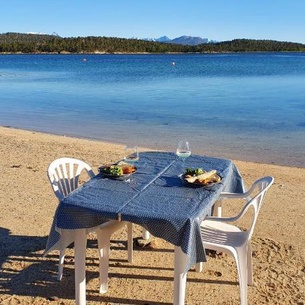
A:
{"x":251,"y":45}
{"x":37,"y":43}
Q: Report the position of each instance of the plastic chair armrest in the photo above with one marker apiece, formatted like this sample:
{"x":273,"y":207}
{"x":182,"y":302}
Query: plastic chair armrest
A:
{"x":227,"y":195}
{"x":222,"y":219}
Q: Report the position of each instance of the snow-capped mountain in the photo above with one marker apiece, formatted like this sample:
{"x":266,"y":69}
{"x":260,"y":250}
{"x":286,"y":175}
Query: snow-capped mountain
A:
{"x":184,"y":40}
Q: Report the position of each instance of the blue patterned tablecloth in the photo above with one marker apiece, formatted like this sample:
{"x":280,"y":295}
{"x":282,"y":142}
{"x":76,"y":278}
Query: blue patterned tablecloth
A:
{"x":155,"y":198}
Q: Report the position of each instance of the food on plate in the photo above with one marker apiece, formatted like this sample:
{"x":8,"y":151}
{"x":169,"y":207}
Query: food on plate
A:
{"x":128,"y":169}
{"x":112,"y":170}
{"x":118,"y":170}
{"x":194,"y":172}
{"x":203,"y":178}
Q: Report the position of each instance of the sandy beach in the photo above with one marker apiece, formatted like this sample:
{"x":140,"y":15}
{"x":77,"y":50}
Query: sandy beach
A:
{"x":27,"y":206}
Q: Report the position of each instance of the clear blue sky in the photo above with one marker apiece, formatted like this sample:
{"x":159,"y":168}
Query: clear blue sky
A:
{"x":215,"y":19}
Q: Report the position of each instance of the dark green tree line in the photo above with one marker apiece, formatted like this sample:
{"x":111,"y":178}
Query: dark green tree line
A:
{"x":34,"y":43}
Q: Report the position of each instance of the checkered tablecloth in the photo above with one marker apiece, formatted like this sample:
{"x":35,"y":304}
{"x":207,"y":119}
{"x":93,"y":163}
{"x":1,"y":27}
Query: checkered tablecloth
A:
{"x":155,"y":198}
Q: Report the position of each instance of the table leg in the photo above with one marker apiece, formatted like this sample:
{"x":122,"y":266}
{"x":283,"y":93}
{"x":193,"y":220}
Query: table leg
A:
{"x":104,"y":249}
{"x":179,"y":276}
{"x":145,"y":234}
{"x":80,"y":266}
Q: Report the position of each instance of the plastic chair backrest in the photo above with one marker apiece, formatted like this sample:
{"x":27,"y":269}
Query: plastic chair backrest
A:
{"x":262,"y":185}
{"x":64,"y":175}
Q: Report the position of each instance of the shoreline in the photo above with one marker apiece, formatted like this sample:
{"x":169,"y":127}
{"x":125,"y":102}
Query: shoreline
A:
{"x":147,"y":53}
{"x":209,"y":151}
{"x":28,"y":204}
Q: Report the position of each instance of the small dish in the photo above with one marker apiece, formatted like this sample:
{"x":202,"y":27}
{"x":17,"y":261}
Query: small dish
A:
{"x":196,"y":183}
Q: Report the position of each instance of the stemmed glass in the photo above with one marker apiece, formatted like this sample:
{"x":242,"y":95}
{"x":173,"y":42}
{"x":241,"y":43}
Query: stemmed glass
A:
{"x":183,"y":151}
{"x":131,"y":154}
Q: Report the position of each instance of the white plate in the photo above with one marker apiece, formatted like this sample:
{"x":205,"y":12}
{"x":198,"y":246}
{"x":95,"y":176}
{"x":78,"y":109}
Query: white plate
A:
{"x":198,"y":184}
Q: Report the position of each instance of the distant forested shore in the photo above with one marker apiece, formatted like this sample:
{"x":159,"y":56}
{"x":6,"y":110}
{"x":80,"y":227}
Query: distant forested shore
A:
{"x":38,"y":43}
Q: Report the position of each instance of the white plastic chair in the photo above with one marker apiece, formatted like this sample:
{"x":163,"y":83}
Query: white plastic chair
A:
{"x":218,"y":235}
{"x":64,"y":176}
{"x":217,"y":208}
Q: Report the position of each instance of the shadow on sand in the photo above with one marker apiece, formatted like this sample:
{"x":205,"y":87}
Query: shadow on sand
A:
{"x":25,"y":272}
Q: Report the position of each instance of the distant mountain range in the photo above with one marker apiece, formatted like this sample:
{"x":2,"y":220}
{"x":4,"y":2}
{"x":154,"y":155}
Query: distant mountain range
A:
{"x":184,"y":40}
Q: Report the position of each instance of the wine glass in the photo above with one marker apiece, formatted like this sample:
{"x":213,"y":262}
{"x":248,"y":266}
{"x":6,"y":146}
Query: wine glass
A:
{"x":131,"y":157}
{"x":131,"y":154}
{"x":183,"y":151}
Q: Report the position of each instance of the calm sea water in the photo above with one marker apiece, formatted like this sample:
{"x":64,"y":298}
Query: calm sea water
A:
{"x":239,"y":106}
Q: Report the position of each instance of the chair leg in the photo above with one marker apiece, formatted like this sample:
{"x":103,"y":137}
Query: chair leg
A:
{"x":241,"y":261}
{"x":217,"y":208}
{"x":199,"y":267}
{"x":104,"y":249}
{"x":61,"y":264}
{"x":130,"y":242}
{"x":250,"y":265}
{"x":103,"y":237}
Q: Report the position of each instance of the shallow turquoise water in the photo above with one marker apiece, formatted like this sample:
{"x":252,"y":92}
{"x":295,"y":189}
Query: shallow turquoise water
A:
{"x":243,"y":106}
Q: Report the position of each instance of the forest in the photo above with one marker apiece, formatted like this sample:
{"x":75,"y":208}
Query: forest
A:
{"x":38,"y":43}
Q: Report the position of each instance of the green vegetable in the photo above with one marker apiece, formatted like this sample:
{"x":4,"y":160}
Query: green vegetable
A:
{"x":194,"y":171}
{"x":199,"y":171}
{"x":113,"y":170}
